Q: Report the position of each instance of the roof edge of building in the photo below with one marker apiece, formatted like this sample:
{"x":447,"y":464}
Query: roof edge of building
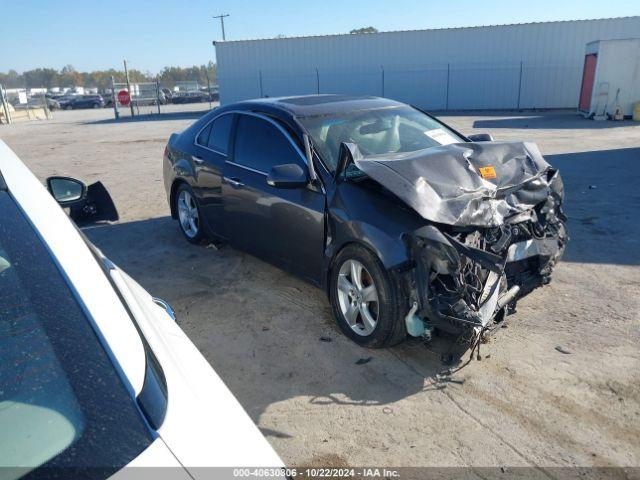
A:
{"x":275,"y":39}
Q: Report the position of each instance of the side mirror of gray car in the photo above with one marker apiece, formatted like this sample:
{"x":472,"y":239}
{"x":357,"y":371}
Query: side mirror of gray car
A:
{"x":66,"y":190}
{"x":480,"y":137}
{"x":289,"y":175}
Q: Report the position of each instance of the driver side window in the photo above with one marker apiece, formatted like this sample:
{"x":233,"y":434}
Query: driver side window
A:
{"x":260,"y":146}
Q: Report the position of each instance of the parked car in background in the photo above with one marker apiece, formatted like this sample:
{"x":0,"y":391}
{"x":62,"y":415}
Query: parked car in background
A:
{"x":85,"y":101}
{"x":53,"y":104}
{"x":167,"y":94}
{"x":53,"y":101}
{"x":409,"y":226}
{"x":108,"y":99}
{"x":96,"y":375}
{"x":63,"y":100}
{"x":214,"y":94}
{"x":189,"y":97}
{"x":42,"y":100}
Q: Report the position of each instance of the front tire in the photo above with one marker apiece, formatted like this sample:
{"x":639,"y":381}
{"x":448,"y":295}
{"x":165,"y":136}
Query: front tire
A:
{"x":189,"y":214}
{"x":365,"y":300}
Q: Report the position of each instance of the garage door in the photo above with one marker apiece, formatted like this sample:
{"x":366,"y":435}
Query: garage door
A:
{"x":588,"y":76}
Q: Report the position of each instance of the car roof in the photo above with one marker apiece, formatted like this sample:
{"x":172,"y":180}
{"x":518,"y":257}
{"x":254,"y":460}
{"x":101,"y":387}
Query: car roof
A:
{"x":324,"y":104}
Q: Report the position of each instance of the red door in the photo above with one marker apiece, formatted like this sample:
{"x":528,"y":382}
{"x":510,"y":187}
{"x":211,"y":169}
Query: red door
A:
{"x":588,"y":76}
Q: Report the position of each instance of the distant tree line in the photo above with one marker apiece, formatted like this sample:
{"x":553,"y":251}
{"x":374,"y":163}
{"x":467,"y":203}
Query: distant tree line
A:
{"x":364,"y":30}
{"x":68,"y":76}
{"x":170,"y":75}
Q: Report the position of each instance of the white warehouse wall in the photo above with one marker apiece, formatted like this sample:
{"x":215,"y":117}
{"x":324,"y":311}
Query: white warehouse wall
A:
{"x":534,"y":65}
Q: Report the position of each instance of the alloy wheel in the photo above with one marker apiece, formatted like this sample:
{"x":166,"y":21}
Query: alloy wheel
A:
{"x":188,"y":214}
{"x":358,"y":297}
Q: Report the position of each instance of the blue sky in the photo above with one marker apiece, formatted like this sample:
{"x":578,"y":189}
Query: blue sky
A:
{"x":151,"y":34}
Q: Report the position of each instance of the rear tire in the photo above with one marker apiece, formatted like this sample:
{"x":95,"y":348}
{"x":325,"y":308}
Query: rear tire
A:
{"x":355,"y":304}
{"x":189,"y":214}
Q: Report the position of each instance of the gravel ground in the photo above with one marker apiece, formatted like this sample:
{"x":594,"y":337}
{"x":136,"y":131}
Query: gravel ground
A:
{"x":559,"y":387}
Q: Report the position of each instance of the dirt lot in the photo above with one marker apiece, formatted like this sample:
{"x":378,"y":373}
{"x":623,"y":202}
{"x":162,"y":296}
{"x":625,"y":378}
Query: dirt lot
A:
{"x":333,"y":403}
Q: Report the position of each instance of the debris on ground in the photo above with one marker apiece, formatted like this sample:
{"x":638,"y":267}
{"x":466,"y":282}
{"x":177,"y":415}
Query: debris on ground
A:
{"x":561,"y":349}
{"x":362,"y":361}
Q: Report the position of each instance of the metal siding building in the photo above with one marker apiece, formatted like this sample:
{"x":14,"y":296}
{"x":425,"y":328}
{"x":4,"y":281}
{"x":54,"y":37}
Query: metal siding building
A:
{"x":534,"y":65}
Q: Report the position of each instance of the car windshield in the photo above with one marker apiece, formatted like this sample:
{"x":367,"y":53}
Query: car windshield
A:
{"x":376,"y":132}
{"x":63,"y":405}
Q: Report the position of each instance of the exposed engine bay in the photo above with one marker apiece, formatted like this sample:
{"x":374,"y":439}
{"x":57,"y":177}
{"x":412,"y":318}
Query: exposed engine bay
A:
{"x":472,"y":279}
{"x":495,"y":231}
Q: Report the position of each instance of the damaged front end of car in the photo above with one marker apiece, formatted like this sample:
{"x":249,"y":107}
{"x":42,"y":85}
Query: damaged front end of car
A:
{"x":457,"y":284}
{"x":465,"y":283}
{"x":489,"y":240}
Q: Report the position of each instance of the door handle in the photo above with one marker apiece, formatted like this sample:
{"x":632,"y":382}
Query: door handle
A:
{"x":198,"y":160}
{"x":235,"y":182}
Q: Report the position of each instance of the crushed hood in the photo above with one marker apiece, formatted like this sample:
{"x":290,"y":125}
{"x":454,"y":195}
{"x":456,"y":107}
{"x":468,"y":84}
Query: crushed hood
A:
{"x":445,"y":184}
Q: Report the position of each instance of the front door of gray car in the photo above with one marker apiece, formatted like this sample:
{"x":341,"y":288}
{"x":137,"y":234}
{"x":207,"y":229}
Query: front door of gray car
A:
{"x":283,"y":225}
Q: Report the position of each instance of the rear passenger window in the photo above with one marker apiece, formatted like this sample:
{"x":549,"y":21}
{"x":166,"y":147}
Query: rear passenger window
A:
{"x":220,"y":130}
{"x":260,"y":145}
{"x":203,"y":136}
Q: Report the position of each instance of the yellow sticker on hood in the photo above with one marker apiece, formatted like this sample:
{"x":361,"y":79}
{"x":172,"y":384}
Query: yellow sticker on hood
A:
{"x":488,"y":172}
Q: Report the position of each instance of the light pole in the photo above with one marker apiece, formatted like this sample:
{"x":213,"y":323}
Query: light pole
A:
{"x":222,"y":17}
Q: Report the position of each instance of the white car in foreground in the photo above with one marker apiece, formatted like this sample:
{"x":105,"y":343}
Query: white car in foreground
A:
{"x":95,"y":374}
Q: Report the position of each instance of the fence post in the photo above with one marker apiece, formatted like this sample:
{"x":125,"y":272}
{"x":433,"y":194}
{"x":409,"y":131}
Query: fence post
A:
{"x":520,"y":85}
{"x":209,"y":89}
{"x":260,"y":75}
{"x":382,"y":68}
{"x":317,"y":81}
{"x":28,"y":107}
{"x":446,"y":105}
{"x":158,"y":93}
{"x":3,"y":101}
{"x":114,"y":99}
{"x":47,"y":110}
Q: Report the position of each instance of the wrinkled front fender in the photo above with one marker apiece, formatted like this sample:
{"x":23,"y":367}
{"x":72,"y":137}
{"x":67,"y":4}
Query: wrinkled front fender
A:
{"x":389,"y":249}
{"x":359,"y":215}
